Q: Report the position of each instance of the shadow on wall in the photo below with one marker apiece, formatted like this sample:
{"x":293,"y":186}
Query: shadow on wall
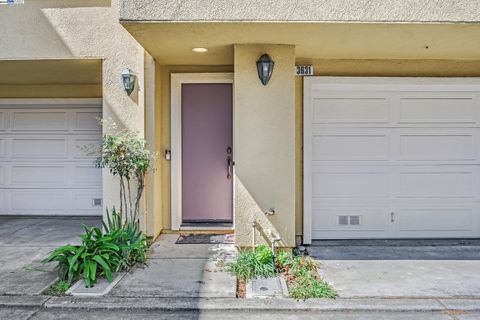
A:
{"x":41,"y":38}
{"x":251,"y":222}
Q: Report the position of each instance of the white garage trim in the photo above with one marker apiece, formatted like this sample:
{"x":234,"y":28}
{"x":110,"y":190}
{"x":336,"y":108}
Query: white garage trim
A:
{"x":42,"y":170}
{"x":385,"y":121}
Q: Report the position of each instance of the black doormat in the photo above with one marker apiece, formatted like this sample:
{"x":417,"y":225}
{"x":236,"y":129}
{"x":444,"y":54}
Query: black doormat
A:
{"x":202,"y":238}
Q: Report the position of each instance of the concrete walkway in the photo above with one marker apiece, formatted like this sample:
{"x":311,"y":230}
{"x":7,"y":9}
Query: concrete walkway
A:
{"x":181,"y":270}
{"x":185,"y":281}
{"x":394,"y":269}
{"x":25,"y":241}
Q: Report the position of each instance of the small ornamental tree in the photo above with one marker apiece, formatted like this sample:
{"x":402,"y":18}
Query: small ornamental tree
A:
{"x":124,"y":154}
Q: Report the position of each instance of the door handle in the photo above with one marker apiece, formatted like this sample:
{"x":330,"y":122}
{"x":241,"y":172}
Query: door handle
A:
{"x":229,"y":167}
{"x":229,"y":163}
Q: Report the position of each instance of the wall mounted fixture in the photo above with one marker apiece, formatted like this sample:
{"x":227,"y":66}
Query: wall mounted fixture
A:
{"x":200,"y":50}
{"x":265,"y":68}
{"x":128,"y":79}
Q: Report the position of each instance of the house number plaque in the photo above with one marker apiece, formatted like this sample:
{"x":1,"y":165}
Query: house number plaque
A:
{"x":304,"y":71}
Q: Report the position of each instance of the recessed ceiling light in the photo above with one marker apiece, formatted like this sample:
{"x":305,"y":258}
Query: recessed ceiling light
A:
{"x":200,"y":50}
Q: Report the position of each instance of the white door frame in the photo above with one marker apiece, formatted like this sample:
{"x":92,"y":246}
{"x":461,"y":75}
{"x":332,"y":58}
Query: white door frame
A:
{"x":176,"y":81}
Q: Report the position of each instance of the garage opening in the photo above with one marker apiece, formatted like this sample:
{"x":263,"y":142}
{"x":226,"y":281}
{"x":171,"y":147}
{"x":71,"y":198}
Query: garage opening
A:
{"x":391,"y":158}
{"x":43,"y":170}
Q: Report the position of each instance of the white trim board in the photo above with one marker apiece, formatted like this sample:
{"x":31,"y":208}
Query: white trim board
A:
{"x":176,"y":81}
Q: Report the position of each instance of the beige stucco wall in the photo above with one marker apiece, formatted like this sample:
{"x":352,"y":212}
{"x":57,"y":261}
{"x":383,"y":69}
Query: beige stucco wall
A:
{"x":264,"y":145}
{"x":56,"y":29}
{"x":51,"y":91}
{"x":302,"y":10}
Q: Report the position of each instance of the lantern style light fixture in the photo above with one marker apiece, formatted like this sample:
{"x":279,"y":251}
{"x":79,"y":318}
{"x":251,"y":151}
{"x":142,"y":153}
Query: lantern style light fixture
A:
{"x":128,"y":78}
{"x":265,"y":68}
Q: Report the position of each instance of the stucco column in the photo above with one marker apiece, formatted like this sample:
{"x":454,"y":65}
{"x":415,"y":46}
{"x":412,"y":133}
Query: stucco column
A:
{"x":264,"y":135}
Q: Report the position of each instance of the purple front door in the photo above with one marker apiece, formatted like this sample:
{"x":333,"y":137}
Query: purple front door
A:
{"x":207,"y":188}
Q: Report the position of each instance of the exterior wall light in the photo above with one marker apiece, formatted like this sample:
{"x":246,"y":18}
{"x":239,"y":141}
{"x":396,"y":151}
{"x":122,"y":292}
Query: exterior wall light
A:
{"x":128,"y":78}
{"x":200,"y":50}
{"x":265,"y":68}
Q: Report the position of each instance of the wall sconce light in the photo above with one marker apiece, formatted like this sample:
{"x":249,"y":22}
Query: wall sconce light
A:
{"x":128,"y":78}
{"x":265,"y":68}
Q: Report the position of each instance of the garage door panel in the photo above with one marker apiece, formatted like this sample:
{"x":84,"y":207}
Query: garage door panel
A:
{"x":43,"y":169}
{"x":350,"y":182}
{"x":357,"y":222}
{"x":407,"y":147}
{"x":39,"y":120}
{"x":87,"y":121}
{"x":3,"y":202}
{"x":3,"y":147}
{"x":436,"y":219}
{"x":442,"y":182}
{"x":50,"y":202}
{"x":438,"y":108}
{"x":350,"y":146}
{"x":354,"y":109}
{"x":47,"y":147}
{"x":87,"y":175}
{"x":2,"y":120}
{"x":2,"y":176}
{"x":84,"y":201}
{"x":36,"y":201}
{"x":89,"y":142}
{"x":37,"y":175}
{"x":360,"y":219}
{"x":437,"y":146}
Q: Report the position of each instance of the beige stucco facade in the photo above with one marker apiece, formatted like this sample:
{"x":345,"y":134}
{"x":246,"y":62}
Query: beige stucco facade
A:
{"x":302,"y":10}
{"x":264,"y":131}
{"x":78,"y":48}
{"x":72,"y":49}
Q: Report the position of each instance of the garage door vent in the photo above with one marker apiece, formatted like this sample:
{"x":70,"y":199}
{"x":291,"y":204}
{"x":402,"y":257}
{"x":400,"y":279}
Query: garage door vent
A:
{"x":349,"y":220}
{"x":97,"y":202}
{"x":355,"y":220}
{"x":343,"y":220}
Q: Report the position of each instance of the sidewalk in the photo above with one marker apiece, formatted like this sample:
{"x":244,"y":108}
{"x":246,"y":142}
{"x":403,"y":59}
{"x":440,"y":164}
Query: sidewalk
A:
{"x":188,"y":281}
{"x":230,"y":308}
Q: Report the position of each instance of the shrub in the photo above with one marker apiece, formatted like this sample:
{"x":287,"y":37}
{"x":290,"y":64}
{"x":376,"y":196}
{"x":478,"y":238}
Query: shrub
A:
{"x":100,"y":254}
{"x":129,"y":238}
{"x":97,"y":255}
{"x":252,"y":264}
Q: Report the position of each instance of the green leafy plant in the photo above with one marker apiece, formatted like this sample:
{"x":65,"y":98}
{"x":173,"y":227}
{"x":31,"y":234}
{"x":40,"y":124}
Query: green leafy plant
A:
{"x":302,"y":276}
{"x":309,"y":285}
{"x":97,"y":255}
{"x":57,"y":289}
{"x":251,"y":264}
{"x":129,"y":238}
{"x":119,"y":248}
{"x":123,"y":243}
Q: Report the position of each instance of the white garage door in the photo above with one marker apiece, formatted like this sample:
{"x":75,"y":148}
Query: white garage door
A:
{"x":42,"y":169}
{"x":391,"y":158}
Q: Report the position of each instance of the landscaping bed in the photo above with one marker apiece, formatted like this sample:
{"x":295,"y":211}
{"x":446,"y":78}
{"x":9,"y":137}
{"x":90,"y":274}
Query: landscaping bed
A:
{"x":299,"y":272}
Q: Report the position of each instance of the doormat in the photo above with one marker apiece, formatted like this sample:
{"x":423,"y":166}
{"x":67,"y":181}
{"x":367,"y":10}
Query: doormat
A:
{"x":202,"y":238}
